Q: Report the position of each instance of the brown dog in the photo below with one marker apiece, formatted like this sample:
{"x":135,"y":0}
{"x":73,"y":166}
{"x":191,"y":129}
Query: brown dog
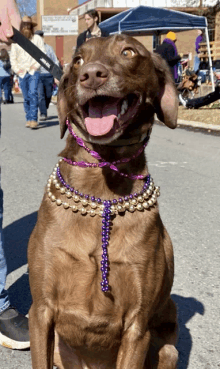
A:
{"x":110,"y":94}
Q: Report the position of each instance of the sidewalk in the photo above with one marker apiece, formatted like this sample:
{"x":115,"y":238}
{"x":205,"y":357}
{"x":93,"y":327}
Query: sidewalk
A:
{"x":206,"y":126}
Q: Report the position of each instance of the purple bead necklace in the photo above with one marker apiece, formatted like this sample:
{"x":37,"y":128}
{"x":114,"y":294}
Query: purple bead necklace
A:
{"x":102,"y":162}
{"x":107,"y":204}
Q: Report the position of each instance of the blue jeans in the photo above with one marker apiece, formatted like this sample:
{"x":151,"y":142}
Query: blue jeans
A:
{"x":5,"y":84}
{"x":45,"y":89}
{"x":196,"y":63}
{"x":29,"y":87}
{"x":4,"y":299}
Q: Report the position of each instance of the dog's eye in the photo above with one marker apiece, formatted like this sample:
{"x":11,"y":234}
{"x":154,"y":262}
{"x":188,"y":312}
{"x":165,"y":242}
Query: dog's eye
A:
{"x":78,"y":62}
{"x":128,"y":53}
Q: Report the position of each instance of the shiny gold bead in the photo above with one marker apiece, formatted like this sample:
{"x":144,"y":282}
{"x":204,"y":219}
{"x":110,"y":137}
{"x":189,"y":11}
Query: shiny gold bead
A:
{"x":140,"y":207}
{"x":83,"y":211}
{"x":68,"y":194}
{"x":92,"y":213}
{"x":112,"y":207}
{"x":101,"y":207}
{"x":58,"y":202}
{"x":131,"y":208}
{"x":145,"y":195}
{"x":120,"y":209}
{"x":148,"y":192}
{"x":53,"y":198}
{"x":150,"y":202}
{"x":145,"y":205}
{"x":66,"y":205}
{"x":60,"y":160}
{"x":100,"y":213}
{"x":150,"y":188}
{"x":55,"y":181}
{"x":127,"y":204}
{"x":51,"y":176}
{"x":76,"y":198}
{"x":57,"y":185}
{"x":140,"y":199}
{"x":49,"y":194}
{"x":62,"y":190}
{"x":134,"y":202}
{"x":84,"y":202}
{"x":93,"y":205}
{"x":74,"y":208}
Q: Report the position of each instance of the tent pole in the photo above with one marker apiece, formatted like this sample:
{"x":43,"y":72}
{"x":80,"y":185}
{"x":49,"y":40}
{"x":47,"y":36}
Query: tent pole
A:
{"x":210,"y":60}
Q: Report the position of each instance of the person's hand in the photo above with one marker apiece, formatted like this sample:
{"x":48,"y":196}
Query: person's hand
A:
{"x":9,"y":16}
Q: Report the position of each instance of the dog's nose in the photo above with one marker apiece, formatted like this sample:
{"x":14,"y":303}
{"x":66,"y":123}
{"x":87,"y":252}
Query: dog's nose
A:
{"x":93,"y":75}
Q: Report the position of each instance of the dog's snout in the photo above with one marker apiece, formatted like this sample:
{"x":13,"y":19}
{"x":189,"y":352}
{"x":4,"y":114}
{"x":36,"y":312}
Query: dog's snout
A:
{"x":93,"y":75}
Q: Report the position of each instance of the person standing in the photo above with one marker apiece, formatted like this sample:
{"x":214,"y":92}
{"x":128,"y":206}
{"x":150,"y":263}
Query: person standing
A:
{"x":27,"y":70}
{"x":5,"y":77}
{"x":168,"y":51}
{"x":199,"y":39}
{"x":92,"y":20}
{"x":45,"y":87}
{"x":13,"y":325}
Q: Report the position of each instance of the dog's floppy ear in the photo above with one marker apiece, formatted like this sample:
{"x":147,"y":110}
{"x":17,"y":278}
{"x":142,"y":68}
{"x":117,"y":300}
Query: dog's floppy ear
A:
{"x":62,"y":104}
{"x":167,"y":100}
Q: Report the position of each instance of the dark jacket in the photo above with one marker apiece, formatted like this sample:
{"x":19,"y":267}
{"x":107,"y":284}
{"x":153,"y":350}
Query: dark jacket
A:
{"x":82,"y":37}
{"x":167,"y":51}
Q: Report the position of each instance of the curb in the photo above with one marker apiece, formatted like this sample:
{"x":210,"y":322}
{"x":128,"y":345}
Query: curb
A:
{"x":188,"y":123}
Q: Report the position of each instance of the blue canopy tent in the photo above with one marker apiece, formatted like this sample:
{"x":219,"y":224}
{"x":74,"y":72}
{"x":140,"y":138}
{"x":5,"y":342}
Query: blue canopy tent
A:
{"x":146,"y":20}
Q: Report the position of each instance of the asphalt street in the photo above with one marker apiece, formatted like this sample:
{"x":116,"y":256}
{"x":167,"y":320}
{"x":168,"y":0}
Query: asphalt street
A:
{"x":185,"y":164}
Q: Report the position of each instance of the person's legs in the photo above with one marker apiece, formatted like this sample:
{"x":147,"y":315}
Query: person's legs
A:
{"x":6,"y":87}
{"x":24,"y":85}
{"x":41,"y":96}
{"x":196,"y":63}
{"x":14,"y":332}
{"x":33,"y":95}
{"x":48,"y":89}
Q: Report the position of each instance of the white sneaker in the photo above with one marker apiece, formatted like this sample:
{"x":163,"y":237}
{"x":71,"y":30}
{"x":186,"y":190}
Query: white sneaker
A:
{"x":182,"y":100}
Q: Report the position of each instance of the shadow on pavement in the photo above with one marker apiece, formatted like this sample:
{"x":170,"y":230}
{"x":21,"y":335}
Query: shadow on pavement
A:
{"x":45,"y":124}
{"x":16,"y":236}
{"x":187,"y":307}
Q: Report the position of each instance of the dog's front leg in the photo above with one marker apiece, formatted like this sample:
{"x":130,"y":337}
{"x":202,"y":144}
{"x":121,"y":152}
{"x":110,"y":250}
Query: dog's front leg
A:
{"x":133,"y":349}
{"x":41,"y":329}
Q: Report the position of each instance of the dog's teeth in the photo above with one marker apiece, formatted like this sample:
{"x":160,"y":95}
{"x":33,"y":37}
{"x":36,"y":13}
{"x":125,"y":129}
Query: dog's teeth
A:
{"x":124,"y":107}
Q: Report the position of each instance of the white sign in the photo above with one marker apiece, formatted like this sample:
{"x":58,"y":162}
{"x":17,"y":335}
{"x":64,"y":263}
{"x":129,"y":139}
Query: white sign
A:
{"x":60,"y":25}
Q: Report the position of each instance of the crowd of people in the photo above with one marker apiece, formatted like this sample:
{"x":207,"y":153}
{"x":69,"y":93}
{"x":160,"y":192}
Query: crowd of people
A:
{"x":36,"y":84}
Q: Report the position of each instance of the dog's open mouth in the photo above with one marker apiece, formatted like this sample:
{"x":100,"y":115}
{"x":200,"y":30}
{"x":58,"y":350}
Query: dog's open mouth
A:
{"x":104,"y":115}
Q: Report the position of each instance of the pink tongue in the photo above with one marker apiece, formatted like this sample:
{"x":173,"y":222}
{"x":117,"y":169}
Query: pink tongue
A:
{"x":101,"y":118}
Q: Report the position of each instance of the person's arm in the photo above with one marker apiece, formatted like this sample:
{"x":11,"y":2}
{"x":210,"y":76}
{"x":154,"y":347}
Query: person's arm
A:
{"x":9,"y":16}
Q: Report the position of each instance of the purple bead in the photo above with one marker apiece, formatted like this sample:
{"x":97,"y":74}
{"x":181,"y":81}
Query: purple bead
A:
{"x":103,"y":227}
{"x":103,"y":239}
{"x":126,"y":198}
{"x":105,"y":202}
{"x":135,"y":194}
{"x":104,"y":252}
{"x":71,"y":189}
{"x":114,"y":201}
{"x":131,"y":196}
{"x":81,"y":194}
{"x":103,"y":221}
{"x":92,"y":198}
{"x":109,"y":202}
{"x":99,"y":201}
{"x":87,"y":197}
{"x":76,"y":192}
{"x":102,"y":269}
{"x":68,"y":186}
{"x":120,"y":200}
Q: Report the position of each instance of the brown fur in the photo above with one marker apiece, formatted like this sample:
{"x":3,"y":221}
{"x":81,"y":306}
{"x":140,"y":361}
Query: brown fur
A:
{"x":189,"y":82}
{"x":72,"y":322}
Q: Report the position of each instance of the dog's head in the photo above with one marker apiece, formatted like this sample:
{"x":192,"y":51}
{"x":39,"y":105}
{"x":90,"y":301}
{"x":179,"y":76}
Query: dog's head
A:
{"x":114,"y":84}
{"x":189,"y":82}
